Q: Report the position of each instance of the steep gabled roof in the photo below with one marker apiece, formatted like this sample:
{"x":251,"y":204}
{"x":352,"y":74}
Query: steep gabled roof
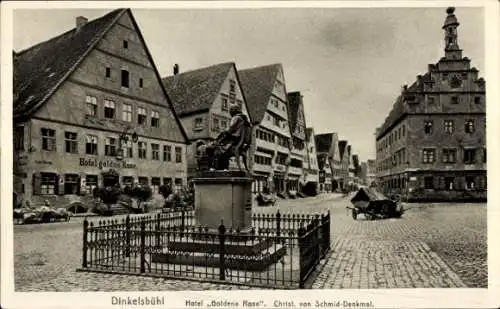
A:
{"x":323,"y":142}
{"x":258,"y":84}
{"x":196,"y":90}
{"x":294,"y":100}
{"x":342,"y":148}
{"x":40,"y":69}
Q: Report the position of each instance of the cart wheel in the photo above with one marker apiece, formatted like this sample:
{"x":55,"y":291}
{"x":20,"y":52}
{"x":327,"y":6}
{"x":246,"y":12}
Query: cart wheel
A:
{"x":354,"y":214}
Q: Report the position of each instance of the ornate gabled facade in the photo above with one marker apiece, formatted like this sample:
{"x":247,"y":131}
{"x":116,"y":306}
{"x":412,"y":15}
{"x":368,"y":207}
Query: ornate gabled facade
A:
{"x":311,"y":168}
{"x":297,"y":124}
{"x":76,"y":97}
{"x":201,"y":99}
{"x":432,"y":145}
{"x":266,"y":96}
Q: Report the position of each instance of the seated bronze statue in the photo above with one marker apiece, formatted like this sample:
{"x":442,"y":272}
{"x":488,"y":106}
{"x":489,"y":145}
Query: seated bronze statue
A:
{"x":233,"y":142}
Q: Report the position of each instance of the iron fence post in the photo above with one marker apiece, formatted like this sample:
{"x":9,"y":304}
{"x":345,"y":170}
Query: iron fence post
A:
{"x":222,"y":251}
{"x":317,"y":238}
{"x":127,"y":236}
{"x":302,"y":270}
{"x":85,"y":244}
{"x":328,"y":222}
{"x":143,"y":246}
{"x":278,"y":223}
{"x":183,"y":218}
{"x":158,"y":227}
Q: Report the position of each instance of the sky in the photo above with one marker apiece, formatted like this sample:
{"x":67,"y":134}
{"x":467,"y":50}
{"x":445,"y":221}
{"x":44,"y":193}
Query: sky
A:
{"x":348,"y":63}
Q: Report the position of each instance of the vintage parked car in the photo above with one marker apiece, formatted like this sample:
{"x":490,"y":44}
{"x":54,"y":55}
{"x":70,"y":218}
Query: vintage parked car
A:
{"x":43,"y":214}
{"x":374,"y":205}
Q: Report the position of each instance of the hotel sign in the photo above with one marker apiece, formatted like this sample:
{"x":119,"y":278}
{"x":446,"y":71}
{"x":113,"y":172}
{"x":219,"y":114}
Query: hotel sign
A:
{"x":105,"y":163}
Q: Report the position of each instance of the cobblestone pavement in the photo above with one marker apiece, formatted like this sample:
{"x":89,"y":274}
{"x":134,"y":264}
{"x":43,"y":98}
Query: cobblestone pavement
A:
{"x":428,"y":247}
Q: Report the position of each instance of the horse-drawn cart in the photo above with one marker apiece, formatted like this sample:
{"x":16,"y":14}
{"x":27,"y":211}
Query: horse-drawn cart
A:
{"x":374,"y":205}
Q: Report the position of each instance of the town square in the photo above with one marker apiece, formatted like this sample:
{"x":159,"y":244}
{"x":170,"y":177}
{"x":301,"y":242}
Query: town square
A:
{"x":241,"y":149}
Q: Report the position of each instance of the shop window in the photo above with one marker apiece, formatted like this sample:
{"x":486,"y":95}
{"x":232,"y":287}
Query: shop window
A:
{"x":125,"y":79}
{"x":428,"y":127}
{"x":469,"y":156}
{"x":110,"y":147}
{"x":45,"y":184}
{"x":19,"y":138}
{"x":48,"y":139}
{"x":469,"y":126}
{"x":127,"y":112}
{"x":109,"y":109}
{"x":178,"y":155}
{"x":141,"y":150}
{"x":449,"y":126}
{"x":178,"y":184}
{"x":155,"y":184}
{"x":449,"y":183}
{"x":198,"y":124}
{"x":428,"y":155}
{"x":71,"y":184}
{"x":143,"y":181}
{"x":449,"y":155}
{"x":91,"y":105}
{"x":167,"y":153}
{"x":90,"y":183}
{"x":470,"y":182}
{"x":429,"y":182}
{"x":155,"y":119}
{"x":167,"y":182}
{"x":155,"y":151}
{"x":141,"y":116}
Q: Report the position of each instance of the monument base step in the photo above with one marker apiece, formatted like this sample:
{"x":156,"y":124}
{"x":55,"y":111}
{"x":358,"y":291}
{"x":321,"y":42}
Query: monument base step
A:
{"x":233,"y":245}
{"x":257,"y":262}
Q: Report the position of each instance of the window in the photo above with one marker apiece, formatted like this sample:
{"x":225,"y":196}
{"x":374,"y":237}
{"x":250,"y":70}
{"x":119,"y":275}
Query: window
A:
{"x":108,"y":72}
{"x":125,"y":44}
{"x":449,"y":126}
{"x":178,"y":184}
{"x":477,"y":100}
{"x":216,"y":126}
{"x":464,"y":75}
{"x":155,"y":119}
{"x":445,"y":76}
{"x":428,"y":127}
{"x":449,"y":183}
{"x":48,"y":183}
{"x":143,"y":181}
{"x":155,"y":151}
{"x":48,"y":139}
{"x":403,"y":131}
{"x":110,"y":148}
{"x":167,"y":182}
{"x":71,"y":142}
{"x":470,"y":182}
{"x":224,"y":105}
{"x":167,"y":153}
{"x":127,"y":112}
{"x":19,"y":138}
{"x":276,"y":121}
{"x":484,"y":155}
{"x":449,"y":155}
{"x":431,"y":100}
{"x":178,"y":155}
{"x":90,"y":183}
{"x":128,"y":181}
{"x":198,"y":124}
{"x":141,"y":115}
{"x":429,"y":182}
{"x":469,"y":156}
{"x":454,"y":100}
{"x":232,"y":86}
{"x":91,"y":105}
{"x":91,"y":145}
{"x":127,"y":149}
{"x":223,"y":124}
{"x":125,"y":78}
{"x":155,"y":184}
{"x":469,"y":126}
{"x":71,"y":184}
{"x":141,"y":150}
{"x":109,"y":109}
{"x":428,"y":155}
{"x":141,"y":82}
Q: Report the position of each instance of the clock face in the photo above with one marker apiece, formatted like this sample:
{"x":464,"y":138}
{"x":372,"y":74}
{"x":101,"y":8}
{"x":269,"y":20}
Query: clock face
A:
{"x":455,"y":82}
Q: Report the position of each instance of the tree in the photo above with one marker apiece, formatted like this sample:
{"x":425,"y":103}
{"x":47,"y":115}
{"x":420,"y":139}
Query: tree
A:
{"x":141,"y":193}
{"x":110,"y":192}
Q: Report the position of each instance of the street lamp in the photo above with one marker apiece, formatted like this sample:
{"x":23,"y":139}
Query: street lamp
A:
{"x":125,"y":136}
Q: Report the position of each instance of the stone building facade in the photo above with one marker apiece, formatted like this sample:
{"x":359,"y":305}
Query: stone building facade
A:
{"x":76,"y":97}
{"x":432,"y":145}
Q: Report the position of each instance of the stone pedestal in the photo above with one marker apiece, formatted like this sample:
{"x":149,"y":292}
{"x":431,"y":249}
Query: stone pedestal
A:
{"x":226,"y":196}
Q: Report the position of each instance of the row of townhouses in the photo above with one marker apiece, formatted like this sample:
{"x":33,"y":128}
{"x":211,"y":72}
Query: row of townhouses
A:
{"x":92,"y":99}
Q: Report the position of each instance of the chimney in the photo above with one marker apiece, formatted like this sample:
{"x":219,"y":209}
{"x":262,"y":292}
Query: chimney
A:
{"x":176,"y":69}
{"x":80,"y":22}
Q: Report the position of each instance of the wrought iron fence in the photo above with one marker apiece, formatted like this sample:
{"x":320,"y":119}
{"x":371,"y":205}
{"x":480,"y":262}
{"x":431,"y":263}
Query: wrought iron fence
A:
{"x":277,"y":253}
